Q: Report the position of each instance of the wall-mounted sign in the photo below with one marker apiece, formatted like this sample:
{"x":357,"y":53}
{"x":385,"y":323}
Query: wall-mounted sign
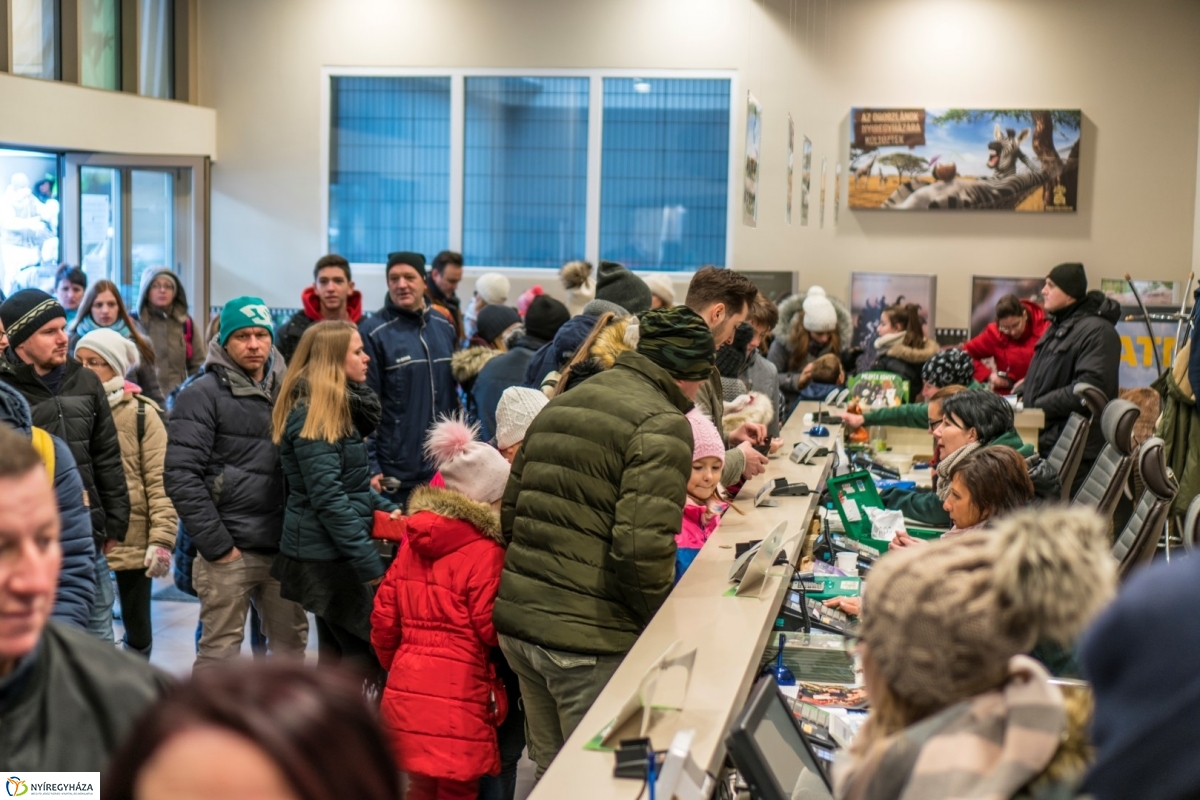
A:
{"x":971,"y":159}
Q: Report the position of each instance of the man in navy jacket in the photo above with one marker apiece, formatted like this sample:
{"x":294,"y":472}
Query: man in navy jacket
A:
{"x":410,"y":345}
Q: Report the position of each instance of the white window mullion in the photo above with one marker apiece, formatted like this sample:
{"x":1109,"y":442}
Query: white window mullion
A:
{"x":591,"y":238}
{"x":457,"y":156}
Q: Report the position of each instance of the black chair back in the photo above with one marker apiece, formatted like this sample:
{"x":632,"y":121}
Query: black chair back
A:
{"x":1104,"y":484}
{"x":1067,"y":453}
{"x":1137,"y":543}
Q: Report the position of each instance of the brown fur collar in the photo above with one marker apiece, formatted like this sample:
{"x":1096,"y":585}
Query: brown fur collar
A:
{"x":611,"y":342}
{"x":456,"y":505}
{"x":914,"y":355}
{"x":466,"y":364}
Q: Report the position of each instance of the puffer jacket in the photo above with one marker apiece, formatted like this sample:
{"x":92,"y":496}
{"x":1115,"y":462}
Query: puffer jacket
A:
{"x":555,"y":354}
{"x":70,"y":704}
{"x":410,"y":373}
{"x":79,"y":415}
{"x":77,"y":576}
{"x":152,"y":518}
{"x":1011,"y":356}
{"x":222,"y":468}
{"x":924,"y":505}
{"x":465,"y":366}
{"x":602,"y":475}
{"x":1179,"y":428}
{"x":892,"y":355}
{"x":432,"y":630}
{"x":330,"y":504}
{"x":1080,"y":346}
{"x":178,"y":345}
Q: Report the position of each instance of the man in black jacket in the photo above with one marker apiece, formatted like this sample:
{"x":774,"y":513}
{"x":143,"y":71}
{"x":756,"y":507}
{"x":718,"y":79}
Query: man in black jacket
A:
{"x":1080,"y":346}
{"x":67,"y":700}
{"x":71,"y":403}
{"x":223,"y":474}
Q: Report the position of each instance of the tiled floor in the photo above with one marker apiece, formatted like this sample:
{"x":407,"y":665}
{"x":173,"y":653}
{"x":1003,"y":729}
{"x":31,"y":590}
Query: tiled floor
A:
{"x":175,"y":650}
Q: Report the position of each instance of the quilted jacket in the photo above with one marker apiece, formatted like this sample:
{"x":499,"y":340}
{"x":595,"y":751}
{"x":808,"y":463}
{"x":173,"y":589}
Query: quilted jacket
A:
{"x":152,"y":517}
{"x":432,"y":630}
{"x":591,"y":510}
{"x":330,"y":504}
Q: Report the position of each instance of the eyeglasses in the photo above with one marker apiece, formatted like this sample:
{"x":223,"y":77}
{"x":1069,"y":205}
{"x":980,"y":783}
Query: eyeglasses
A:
{"x":1010,"y":329}
{"x":933,"y":423}
{"x":163,"y":286}
{"x":93,"y":363}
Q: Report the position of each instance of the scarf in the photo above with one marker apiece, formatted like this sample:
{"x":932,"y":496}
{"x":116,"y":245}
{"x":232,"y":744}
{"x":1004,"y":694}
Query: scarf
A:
{"x":86,"y":325}
{"x":946,"y":466}
{"x":987,"y":747}
{"x":114,"y":389}
{"x":887,"y":342}
{"x":365,"y":408}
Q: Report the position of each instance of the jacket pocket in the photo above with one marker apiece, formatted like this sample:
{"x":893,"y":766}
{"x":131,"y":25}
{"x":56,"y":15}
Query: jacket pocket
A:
{"x":218,"y":487}
{"x":564,"y":660}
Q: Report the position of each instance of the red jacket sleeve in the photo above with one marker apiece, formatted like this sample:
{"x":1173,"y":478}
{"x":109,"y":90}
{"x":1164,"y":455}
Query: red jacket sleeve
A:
{"x":385,"y":617}
{"x":482,"y":585}
{"x":981,"y":347}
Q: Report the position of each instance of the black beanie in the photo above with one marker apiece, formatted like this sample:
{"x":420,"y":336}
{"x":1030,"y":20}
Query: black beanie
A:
{"x":1071,"y":278}
{"x":544,"y":317}
{"x":618,"y":285}
{"x":494,"y":320}
{"x":26,"y":312}
{"x":414,"y":260}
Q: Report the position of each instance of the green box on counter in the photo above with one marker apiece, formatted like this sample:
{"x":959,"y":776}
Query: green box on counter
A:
{"x":836,"y":586}
{"x":853,"y":493}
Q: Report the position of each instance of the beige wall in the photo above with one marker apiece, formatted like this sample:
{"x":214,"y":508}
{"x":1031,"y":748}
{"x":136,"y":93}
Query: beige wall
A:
{"x":61,"y":116}
{"x":1135,"y":72}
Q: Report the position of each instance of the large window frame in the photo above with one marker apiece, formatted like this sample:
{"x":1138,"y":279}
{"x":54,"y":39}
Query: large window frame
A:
{"x":596,"y":78}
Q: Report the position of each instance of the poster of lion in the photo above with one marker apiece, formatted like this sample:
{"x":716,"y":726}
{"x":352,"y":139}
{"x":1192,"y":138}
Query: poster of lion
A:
{"x":906,"y":159}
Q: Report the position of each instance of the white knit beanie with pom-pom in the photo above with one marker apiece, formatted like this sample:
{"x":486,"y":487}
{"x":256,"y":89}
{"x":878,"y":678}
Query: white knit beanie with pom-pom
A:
{"x":468,"y":466}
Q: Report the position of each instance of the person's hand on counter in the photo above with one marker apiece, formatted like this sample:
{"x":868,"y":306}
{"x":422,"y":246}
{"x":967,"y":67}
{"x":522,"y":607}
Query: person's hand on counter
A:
{"x":852,"y":421}
{"x":750,"y":432}
{"x":849,"y":605}
{"x":756,"y":462}
{"x":904,"y":540}
{"x":775,"y":445}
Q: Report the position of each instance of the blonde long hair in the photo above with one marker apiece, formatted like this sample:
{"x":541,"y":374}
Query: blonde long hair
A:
{"x":317,"y":376}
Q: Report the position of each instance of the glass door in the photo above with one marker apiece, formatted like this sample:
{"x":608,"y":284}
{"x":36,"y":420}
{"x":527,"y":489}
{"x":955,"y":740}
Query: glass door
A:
{"x":127,"y":214}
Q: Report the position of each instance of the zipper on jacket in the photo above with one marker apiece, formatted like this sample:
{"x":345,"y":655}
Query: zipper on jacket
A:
{"x":429,"y":361}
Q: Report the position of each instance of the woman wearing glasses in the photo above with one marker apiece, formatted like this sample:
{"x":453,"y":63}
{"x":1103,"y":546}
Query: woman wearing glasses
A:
{"x":103,"y":308}
{"x":162,"y":311}
{"x":1009,"y":342}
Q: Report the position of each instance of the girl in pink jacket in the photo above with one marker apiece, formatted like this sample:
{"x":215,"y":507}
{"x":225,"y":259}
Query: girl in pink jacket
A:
{"x":702,"y":513}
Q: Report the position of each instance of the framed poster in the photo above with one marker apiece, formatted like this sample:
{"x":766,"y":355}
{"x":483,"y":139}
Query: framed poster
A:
{"x":805,"y":179}
{"x":872,"y":292}
{"x":1165,"y":294}
{"x":753,"y":151}
{"x":821,"y":213}
{"x":986,"y":291}
{"x":791,"y":157}
{"x":953,"y":158}
{"x":837,"y":191}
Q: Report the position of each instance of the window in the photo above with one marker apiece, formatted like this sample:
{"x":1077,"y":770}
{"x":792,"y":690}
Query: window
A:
{"x":664,"y":186}
{"x":100,"y":44}
{"x":156,"y":48}
{"x":29,"y":218}
{"x":389,"y":174}
{"x":525,"y":171}
{"x":530,"y":170}
{"x":35,"y":38}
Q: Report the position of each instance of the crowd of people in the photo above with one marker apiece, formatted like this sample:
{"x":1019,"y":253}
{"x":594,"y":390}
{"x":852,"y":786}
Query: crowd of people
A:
{"x":483,"y":505}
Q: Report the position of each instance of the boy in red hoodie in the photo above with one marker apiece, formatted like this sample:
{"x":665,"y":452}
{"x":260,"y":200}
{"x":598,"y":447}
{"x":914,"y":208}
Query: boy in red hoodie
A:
{"x":432,"y":623}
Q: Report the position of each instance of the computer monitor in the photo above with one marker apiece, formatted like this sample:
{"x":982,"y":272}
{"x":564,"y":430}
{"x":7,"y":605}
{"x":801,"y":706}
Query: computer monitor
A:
{"x":776,"y":759}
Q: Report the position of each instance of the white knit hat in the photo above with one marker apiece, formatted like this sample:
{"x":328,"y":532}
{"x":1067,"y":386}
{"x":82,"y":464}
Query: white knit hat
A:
{"x":468,"y":466}
{"x":662,"y":288}
{"x":493,"y":288}
{"x":819,"y":314}
{"x":119,"y":352}
{"x":516,"y":410}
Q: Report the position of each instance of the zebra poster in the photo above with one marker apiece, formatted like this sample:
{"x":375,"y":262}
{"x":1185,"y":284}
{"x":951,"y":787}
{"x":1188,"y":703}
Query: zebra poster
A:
{"x":952,"y":158}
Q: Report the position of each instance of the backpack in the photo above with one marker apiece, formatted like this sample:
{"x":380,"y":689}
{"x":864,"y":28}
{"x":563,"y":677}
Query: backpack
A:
{"x":187,"y":337}
{"x":43,"y":442}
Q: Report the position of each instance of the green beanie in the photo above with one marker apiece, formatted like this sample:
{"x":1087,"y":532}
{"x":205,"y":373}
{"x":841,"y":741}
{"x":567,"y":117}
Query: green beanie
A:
{"x":244,"y":312}
{"x":678,"y":340}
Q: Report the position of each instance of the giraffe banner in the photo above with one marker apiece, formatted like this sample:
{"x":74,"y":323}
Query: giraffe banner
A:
{"x":905,"y":159}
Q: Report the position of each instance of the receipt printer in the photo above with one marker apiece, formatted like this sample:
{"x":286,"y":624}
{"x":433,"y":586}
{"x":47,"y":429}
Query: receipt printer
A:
{"x":785,"y":489}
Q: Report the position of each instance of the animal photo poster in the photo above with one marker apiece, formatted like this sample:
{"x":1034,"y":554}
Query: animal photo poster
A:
{"x":805,"y":179}
{"x":753,"y":150}
{"x":986,"y":291}
{"x":952,"y":158}
{"x":872,"y":292}
{"x":791,"y":158}
{"x":837,"y":191}
{"x":821,"y":214}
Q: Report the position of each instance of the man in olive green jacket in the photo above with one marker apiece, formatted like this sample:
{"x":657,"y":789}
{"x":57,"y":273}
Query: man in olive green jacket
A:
{"x":591,"y":511}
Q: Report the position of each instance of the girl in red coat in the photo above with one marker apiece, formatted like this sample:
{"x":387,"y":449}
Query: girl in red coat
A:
{"x":432,"y":623}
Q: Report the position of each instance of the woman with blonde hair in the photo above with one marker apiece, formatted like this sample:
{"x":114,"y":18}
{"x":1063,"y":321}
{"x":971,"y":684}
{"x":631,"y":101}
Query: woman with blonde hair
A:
{"x":102,"y":307}
{"x":327,"y":560}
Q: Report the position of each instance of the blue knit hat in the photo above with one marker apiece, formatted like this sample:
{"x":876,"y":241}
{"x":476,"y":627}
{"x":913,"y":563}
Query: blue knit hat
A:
{"x":245,"y":312}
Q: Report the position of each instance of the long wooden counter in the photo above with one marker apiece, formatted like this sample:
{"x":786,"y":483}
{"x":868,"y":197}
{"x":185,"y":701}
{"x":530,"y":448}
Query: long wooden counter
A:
{"x":729,"y":634}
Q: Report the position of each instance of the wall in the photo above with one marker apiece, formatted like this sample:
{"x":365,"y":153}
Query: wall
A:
{"x":60,"y":116}
{"x":1134,"y":71}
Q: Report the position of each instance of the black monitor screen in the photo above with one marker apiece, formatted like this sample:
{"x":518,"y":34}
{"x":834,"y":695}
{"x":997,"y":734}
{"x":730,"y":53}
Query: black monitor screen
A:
{"x":772,"y":753}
